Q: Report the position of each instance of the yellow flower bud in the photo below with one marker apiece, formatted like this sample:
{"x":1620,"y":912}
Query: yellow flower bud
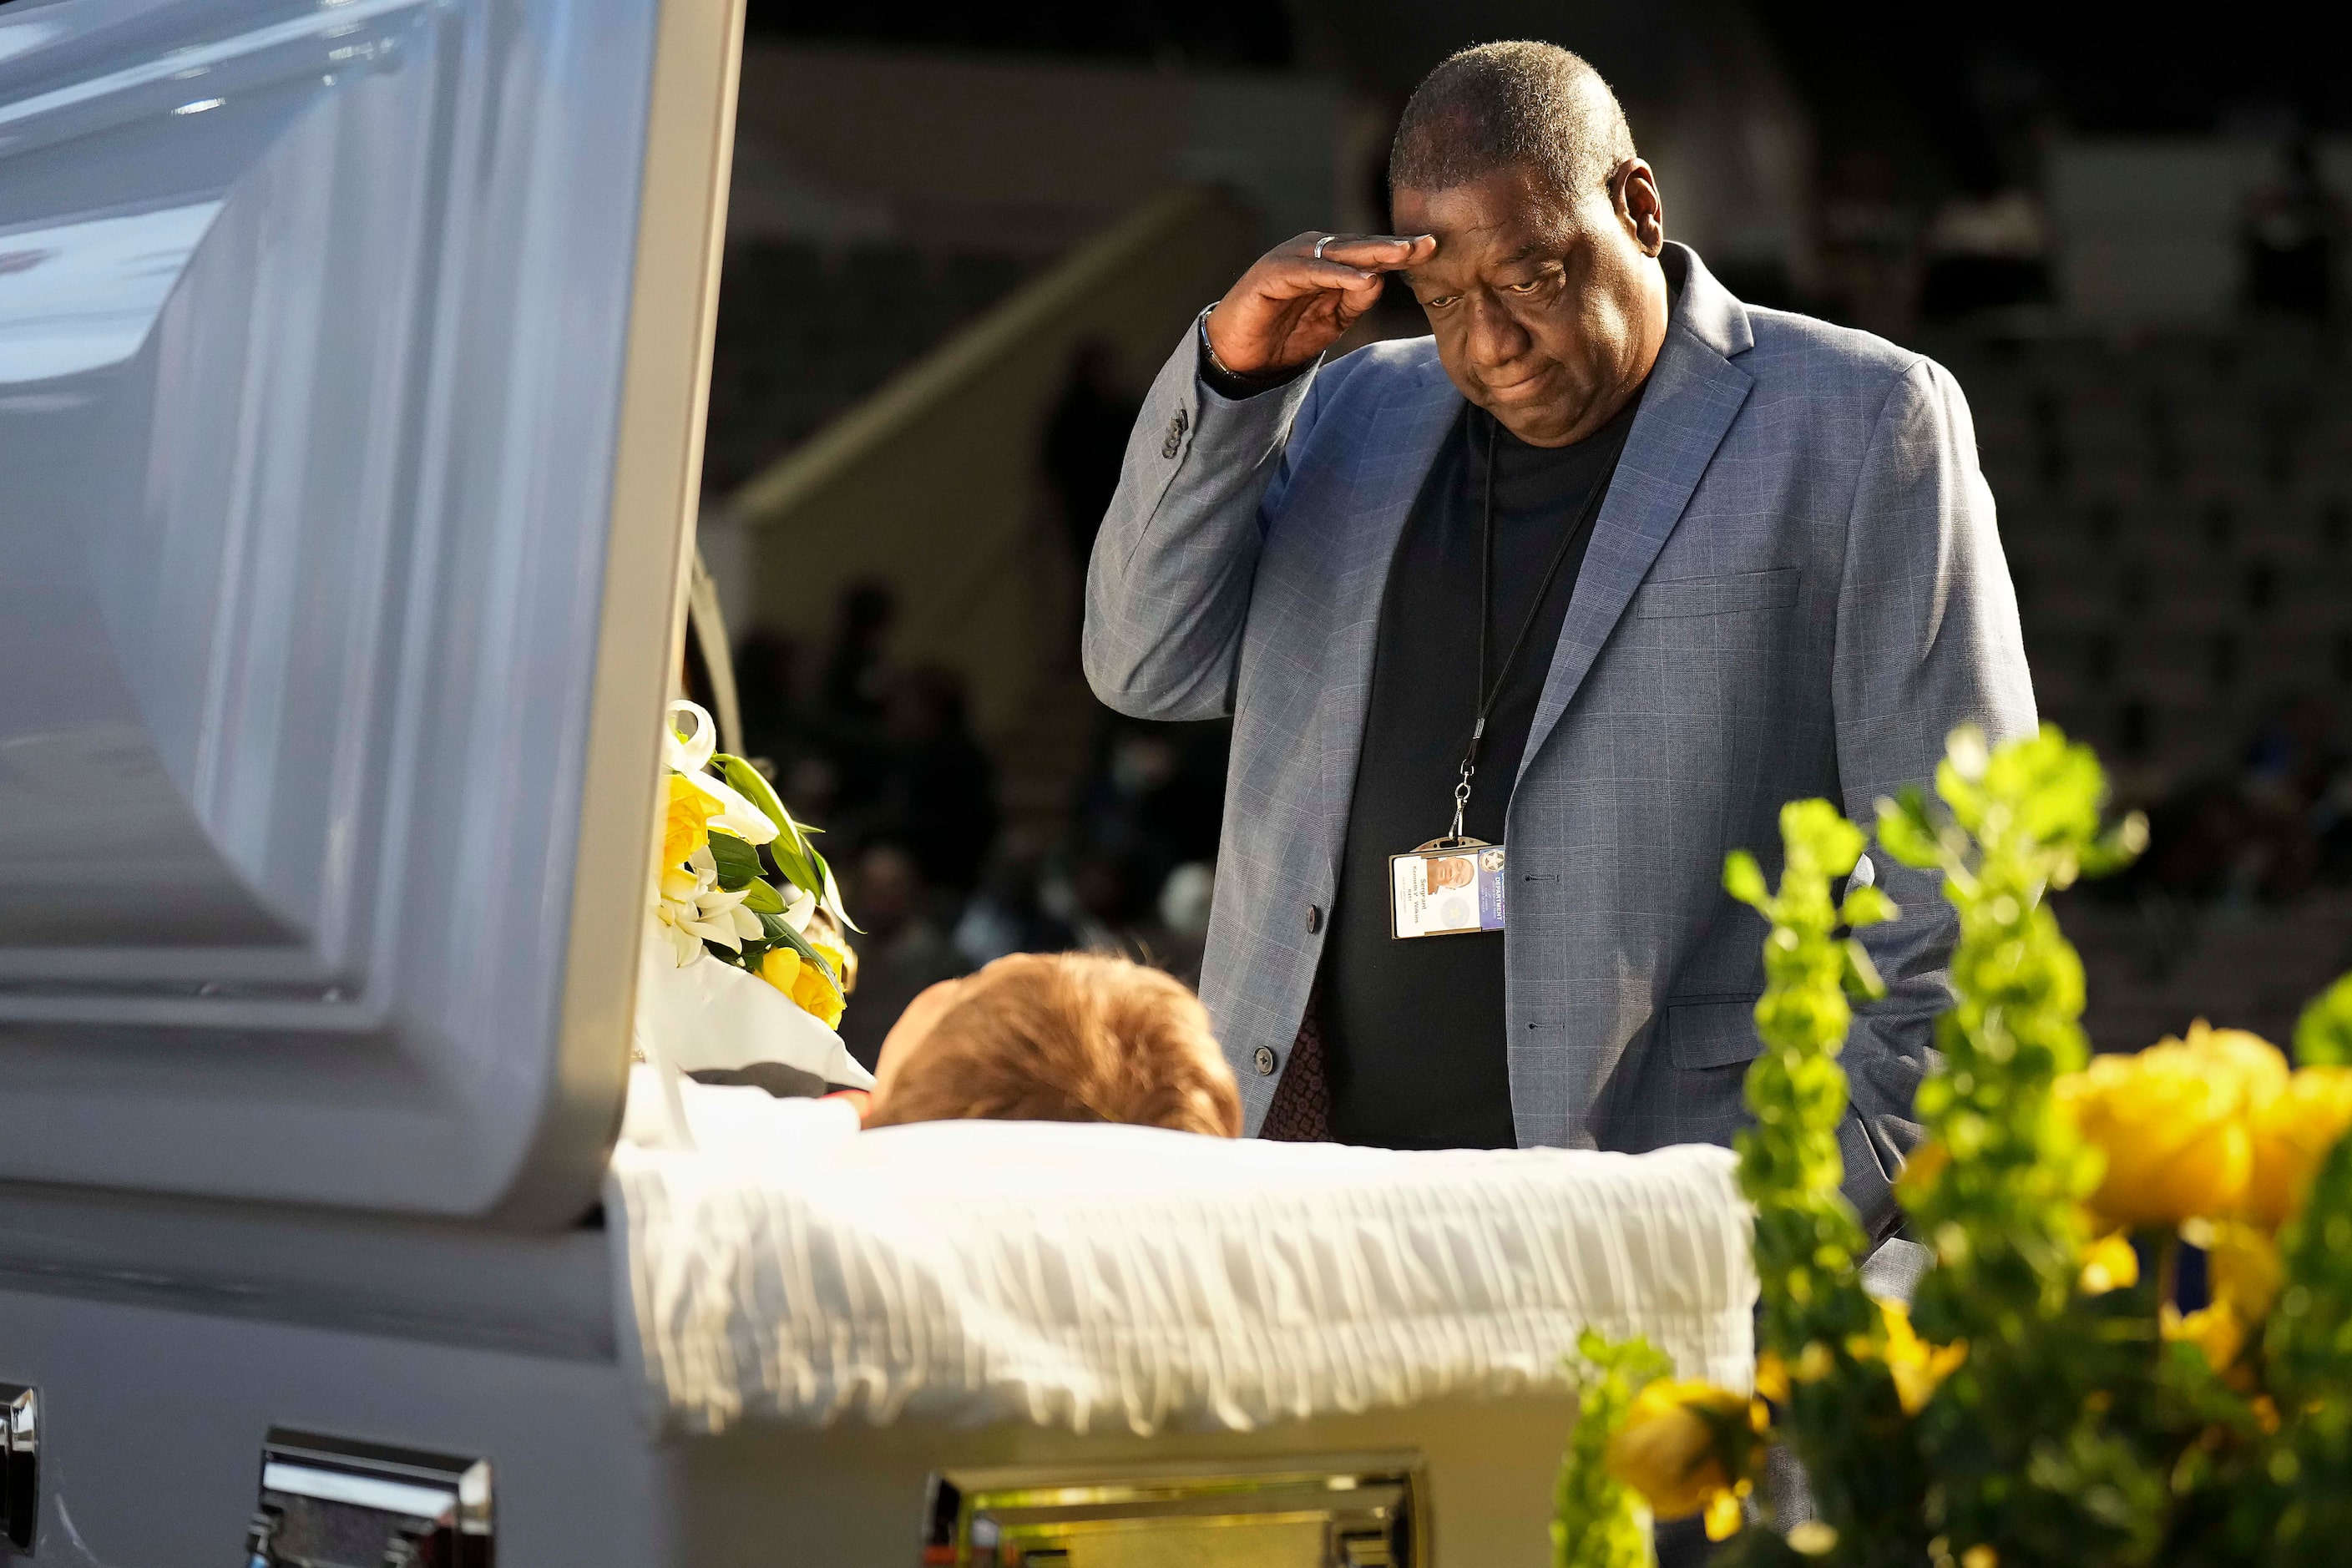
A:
{"x":2172,"y":1123}
{"x":1917,"y":1367}
{"x":1672,"y":1446}
{"x":2293,"y":1132}
{"x":2216,"y":1331}
{"x":1812,"y":1537}
{"x":2109,"y":1264}
{"x":1724,"y":1514}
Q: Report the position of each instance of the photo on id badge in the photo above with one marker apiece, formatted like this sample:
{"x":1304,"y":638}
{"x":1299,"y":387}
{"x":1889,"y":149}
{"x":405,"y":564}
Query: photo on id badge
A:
{"x":1446,"y":893}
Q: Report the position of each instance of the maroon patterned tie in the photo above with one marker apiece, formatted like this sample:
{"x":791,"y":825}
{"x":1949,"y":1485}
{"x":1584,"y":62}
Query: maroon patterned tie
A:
{"x":1301,"y":1111}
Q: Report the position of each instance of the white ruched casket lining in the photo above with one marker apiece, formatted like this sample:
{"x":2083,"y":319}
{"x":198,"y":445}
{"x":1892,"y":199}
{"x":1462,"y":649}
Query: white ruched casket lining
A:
{"x":1086,"y":1277}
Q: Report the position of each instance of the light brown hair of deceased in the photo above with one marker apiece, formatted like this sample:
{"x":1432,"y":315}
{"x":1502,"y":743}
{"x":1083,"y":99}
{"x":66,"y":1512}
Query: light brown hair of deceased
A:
{"x":1069,"y":1037}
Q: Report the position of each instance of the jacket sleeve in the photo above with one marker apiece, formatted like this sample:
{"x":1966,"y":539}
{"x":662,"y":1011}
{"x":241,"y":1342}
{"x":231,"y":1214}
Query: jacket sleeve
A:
{"x":1169,"y":586}
{"x":1927,"y":639}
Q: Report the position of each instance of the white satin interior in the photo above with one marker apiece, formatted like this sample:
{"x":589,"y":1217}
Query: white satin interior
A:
{"x":792,"y":1269}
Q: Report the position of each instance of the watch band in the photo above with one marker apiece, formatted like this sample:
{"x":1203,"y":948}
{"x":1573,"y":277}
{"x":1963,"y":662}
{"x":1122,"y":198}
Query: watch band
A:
{"x":1222,"y":376}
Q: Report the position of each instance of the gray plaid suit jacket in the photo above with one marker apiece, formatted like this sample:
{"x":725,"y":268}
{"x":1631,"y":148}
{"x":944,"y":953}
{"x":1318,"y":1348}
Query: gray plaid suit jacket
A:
{"x":1795,"y":588}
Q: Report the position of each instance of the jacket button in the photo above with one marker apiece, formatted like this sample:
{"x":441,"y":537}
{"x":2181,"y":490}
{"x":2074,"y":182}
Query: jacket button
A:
{"x":1175,"y":442}
{"x":1314,"y":919}
{"x":1263,"y":1061}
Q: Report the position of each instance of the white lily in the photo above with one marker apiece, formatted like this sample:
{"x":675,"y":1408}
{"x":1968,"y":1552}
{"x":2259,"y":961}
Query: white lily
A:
{"x":688,"y":755}
{"x":694,"y":909}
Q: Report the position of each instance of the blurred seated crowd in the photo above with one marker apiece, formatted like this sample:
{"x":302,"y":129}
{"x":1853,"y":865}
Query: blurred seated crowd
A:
{"x":2270,"y":830}
{"x":882,"y":756}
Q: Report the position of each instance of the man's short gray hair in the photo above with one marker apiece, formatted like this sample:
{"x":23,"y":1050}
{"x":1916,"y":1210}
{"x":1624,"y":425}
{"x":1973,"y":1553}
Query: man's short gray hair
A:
{"x":1498,"y":104}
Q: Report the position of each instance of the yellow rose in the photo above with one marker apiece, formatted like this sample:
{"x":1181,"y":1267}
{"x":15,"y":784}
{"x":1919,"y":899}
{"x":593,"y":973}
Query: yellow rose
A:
{"x":1686,"y":1447}
{"x":835,"y":951}
{"x":2109,"y":1264}
{"x":2293,"y":1132}
{"x":2261,"y":1065}
{"x":781,"y":967}
{"x":817,"y":997}
{"x":2172,"y":1123}
{"x":803,"y":983}
{"x":685,"y":812}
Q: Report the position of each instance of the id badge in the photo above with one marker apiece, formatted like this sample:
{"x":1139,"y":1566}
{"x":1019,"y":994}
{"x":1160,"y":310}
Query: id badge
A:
{"x":1448,"y":886}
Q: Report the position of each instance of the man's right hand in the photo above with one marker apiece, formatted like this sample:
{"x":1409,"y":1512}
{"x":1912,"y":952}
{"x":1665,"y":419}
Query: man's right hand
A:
{"x":1291,"y":306}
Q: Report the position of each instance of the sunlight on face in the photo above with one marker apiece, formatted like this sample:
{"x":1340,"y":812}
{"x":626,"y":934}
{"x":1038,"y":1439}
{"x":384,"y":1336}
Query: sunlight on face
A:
{"x":1547,"y":317}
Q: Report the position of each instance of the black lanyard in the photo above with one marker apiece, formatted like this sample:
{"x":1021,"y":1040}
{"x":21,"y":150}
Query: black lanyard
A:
{"x":1492,"y":693}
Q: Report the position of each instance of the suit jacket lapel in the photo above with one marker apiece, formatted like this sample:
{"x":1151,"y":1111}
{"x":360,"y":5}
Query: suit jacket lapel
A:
{"x":1399,"y":443}
{"x":1692,"y":396}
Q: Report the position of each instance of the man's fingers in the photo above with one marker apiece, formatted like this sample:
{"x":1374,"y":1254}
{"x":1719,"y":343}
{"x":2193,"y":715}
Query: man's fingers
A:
{"x":1290,"y":276}
{"x":1379,"y":252}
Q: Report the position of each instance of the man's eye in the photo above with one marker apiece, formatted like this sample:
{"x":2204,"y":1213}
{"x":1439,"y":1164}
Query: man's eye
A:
{"x":1529,"y":286}
{"x":1441,"y":302}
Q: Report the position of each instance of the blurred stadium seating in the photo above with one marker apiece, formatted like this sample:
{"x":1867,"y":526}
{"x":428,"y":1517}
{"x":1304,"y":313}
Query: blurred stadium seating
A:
{"x":2177,"y":516}
{"x":2177,"y":511}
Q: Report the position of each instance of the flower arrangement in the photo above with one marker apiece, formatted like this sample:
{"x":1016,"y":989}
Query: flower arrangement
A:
{"x":2045,"y":1399}
{"x":728,"y":848}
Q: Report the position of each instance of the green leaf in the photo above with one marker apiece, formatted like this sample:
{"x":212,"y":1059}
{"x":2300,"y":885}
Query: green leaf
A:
{"x":790,"y":850}
{"x":1744,"y":879}
{"x":830,"y":900}
{"x":2323,"y":1036}
{"x":738,"y":862}
{"x":1861,"y":974}
{"x":752,"y":785}
{"x":1867,"y":907}
{"x":2118,"y":847}
{"x":1905,"y":831}
{"x":793,"y":867}
{"x":762,"y":899}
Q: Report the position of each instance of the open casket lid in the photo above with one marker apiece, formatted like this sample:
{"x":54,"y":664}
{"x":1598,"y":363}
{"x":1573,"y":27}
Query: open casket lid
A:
{"x":352,"y":358}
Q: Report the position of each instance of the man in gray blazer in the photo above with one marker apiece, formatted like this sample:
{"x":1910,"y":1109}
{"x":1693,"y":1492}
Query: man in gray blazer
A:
{"x":1742,"y":556}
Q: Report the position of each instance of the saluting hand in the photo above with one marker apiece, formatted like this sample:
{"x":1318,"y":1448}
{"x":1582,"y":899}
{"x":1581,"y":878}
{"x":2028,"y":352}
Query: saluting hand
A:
{"x":1293,"y":304}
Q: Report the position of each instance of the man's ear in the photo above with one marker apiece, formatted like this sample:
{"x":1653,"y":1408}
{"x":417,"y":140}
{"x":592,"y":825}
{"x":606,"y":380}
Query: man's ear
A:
{"x":1640,"y":207}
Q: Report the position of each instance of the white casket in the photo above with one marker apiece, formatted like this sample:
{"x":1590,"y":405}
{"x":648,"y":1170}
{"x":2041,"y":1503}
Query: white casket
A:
{"x":351,"y":356}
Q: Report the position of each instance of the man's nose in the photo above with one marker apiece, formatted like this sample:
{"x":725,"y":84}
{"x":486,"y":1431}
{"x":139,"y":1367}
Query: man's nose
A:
{"x":1495,"y":338}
